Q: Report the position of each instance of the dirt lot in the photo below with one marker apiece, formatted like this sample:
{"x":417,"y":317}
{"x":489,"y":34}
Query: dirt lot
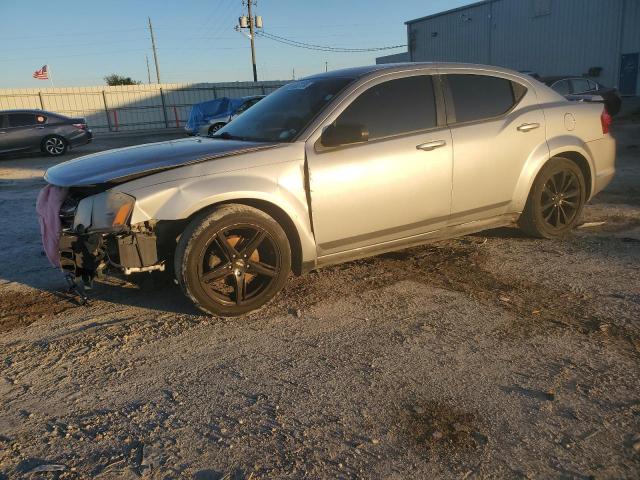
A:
{"x":491,"y":356}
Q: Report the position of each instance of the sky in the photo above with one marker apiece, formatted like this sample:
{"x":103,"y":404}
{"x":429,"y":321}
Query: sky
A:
{"x":82,"y":41}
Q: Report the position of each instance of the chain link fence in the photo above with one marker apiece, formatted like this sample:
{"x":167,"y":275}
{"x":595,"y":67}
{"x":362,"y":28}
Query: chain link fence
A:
{"x":130,"y":107}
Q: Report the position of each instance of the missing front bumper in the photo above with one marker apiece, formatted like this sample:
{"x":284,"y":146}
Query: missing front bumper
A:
{"x":88,"y":254}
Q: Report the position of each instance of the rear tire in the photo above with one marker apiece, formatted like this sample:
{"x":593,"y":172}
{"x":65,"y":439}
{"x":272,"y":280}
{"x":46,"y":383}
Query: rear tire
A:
{"x":214,"y":128}
{"x":54,"y":145}
{"x":556,"y":200}
{"x":232,"y":260}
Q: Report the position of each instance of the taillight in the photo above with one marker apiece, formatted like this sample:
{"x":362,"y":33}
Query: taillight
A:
{"x":606,"y":120}
{"x":81,"y":126}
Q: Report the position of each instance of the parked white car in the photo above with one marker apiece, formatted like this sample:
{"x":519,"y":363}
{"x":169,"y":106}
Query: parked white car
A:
{"x":335,"y":167}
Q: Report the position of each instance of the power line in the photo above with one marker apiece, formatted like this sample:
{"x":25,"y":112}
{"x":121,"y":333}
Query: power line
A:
{"x":73,"y":34}
{"x":93,"y":54}
{"x":323,"y":48}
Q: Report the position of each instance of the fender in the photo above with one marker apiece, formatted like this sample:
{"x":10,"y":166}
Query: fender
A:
{"x":280,"y":184}
{"x":553,"y":147}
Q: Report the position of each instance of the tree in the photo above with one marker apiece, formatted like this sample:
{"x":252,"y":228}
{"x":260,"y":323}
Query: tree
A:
{"x":115,"y":79}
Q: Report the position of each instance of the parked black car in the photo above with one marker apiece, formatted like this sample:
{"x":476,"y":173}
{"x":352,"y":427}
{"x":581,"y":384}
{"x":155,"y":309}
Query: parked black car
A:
{"x":580,"y":88}
{"x":33,"y":130}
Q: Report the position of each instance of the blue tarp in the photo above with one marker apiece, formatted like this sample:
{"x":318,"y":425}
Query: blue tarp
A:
{"x":201,"y":113}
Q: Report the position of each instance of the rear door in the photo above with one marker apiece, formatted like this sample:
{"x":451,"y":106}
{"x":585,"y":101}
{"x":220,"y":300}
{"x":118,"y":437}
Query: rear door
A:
{"x":396,"y":184}
{"x":496,"y":126}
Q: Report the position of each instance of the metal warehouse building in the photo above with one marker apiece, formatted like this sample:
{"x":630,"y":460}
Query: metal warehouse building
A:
{"x":549,"y":37}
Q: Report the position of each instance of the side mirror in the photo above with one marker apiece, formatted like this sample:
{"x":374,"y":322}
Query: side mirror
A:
{"x":345,"y":134}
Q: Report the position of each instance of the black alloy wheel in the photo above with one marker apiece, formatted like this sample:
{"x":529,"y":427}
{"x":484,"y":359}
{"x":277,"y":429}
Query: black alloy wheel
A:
{"x":233,"y":260}
{"x":560,"y":199}
{"x":214,"y":128}
{"x":555,"y":201}
{"x":231,"y":266}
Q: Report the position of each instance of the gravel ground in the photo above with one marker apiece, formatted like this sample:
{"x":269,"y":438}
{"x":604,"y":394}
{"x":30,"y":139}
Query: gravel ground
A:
{"x":489,"y":356}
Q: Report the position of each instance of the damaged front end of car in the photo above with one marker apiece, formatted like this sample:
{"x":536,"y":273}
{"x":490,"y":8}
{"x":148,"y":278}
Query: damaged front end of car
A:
{"x":96,"y":234}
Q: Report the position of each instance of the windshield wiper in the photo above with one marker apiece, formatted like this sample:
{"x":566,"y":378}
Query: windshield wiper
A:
{"x":227,"y":136}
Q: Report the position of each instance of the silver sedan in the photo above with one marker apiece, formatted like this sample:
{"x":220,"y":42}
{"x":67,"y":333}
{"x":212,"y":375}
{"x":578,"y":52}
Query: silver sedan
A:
{"x":335,"y":167}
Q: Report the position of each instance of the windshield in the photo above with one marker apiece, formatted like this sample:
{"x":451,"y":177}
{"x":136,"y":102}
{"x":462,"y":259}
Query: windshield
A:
{"x":280,"y":116}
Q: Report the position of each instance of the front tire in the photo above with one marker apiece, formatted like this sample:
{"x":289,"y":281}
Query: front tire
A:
{"x":232,"y":260}
{"x":54,"y":145}
{"x":555,"y":201}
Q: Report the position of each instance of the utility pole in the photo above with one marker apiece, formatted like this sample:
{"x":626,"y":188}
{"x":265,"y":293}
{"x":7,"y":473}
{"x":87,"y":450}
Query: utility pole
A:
{"x":148,"y":69}
{"x":155,"y":53}
{"x":253,"y":47}
{"x":251,"y":22}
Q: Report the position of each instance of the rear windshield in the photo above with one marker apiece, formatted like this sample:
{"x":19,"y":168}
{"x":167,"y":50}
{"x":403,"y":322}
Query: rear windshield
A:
{"x":280,"y":116}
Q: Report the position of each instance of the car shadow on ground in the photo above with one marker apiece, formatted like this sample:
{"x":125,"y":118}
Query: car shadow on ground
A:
{"x":503,"y":232}
{"x":153,"y":291}
{"x":145,"y":291}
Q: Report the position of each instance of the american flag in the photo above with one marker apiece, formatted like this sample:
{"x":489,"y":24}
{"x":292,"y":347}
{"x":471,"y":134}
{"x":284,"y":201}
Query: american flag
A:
{"x":41,"y":74}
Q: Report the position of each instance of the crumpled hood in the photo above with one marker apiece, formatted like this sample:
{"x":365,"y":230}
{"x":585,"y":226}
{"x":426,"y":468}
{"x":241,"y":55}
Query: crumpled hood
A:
{"x":122,"y":164}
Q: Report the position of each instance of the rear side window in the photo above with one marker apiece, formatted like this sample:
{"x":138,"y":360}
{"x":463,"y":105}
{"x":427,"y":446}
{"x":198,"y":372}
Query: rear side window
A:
{"x":394,"y":107}
{"x":476,"y":97}
{"x":580,"y":85}
{"x":562,"y":87}
{"x":21,"y":119}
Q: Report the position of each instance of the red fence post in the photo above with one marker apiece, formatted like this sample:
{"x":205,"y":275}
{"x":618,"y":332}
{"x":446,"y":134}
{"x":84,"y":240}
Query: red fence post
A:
{"x":175,"y":112}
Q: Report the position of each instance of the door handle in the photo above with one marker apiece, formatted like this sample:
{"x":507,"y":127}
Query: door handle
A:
{"x":525,"y":127}
{"x":431,"y":145}
{"x":40,"y":127}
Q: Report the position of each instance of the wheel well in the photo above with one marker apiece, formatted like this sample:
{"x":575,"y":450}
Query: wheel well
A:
{"x":582,"y":162}
{"x":51,"y":135}
{"x":270,"y":209}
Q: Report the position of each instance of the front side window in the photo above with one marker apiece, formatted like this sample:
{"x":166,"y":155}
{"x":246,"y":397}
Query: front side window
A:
{"x":394,"y":107}
{"x":21,"y":119}
{"x":477,"y":97}
{"x":281,"y":115}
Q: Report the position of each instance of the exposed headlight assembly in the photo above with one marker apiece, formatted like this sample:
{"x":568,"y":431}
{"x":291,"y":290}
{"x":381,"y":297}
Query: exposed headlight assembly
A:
{"x":107,"y":211}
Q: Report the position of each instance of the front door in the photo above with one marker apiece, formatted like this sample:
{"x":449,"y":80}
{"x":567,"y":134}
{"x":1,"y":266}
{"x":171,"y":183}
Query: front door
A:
{"x":5,"y":142}
{"x":496,"y":126}
{"x":394,"y":185}
{"x":629,"y":73}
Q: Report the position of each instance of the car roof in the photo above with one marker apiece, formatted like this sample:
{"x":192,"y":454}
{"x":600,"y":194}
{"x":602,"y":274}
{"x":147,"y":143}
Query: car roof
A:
{"x":30,"y":110}
{"x":359,"y":72}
